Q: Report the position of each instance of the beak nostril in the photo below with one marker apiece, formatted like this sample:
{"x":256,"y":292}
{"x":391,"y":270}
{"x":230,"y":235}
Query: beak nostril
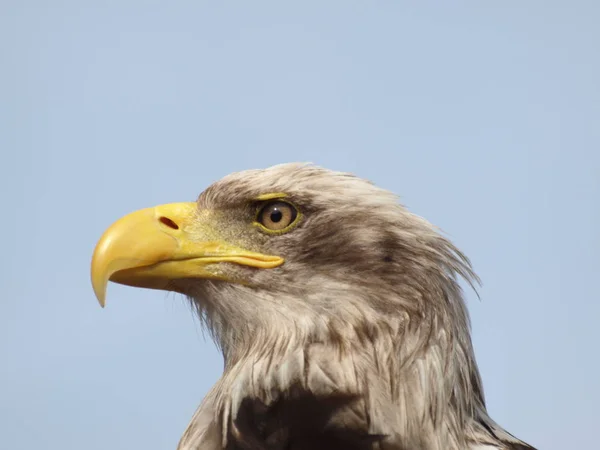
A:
{"x":168,"y":222}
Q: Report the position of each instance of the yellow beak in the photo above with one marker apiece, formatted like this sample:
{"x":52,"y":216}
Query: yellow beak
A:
{"x":152,"y":247}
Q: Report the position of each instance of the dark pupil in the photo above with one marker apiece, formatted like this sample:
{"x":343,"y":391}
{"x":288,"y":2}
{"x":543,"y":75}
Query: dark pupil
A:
{"x":276,"y":216}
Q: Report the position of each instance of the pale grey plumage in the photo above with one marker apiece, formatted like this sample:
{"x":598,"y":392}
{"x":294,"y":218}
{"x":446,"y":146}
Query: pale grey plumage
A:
{"x":367,"y":305}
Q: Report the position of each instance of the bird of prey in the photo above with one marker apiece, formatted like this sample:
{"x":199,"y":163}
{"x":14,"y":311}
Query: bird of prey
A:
{"x":339,"y":314}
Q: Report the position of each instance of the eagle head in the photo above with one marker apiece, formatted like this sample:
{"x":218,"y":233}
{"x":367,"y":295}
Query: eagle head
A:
{"x":339,"y":313}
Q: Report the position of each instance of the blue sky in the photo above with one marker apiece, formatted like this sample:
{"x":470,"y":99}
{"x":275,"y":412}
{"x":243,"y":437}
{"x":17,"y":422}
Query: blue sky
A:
{"x":483,"y":116}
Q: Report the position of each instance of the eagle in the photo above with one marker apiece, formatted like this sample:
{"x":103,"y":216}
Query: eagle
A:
{"x":340,"y":314}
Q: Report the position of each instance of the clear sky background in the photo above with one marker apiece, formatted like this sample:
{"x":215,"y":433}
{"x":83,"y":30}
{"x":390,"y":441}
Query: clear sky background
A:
{"x":483,"y":116}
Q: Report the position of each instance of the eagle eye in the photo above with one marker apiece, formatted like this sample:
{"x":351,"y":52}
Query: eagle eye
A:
{"x":277,"y":216}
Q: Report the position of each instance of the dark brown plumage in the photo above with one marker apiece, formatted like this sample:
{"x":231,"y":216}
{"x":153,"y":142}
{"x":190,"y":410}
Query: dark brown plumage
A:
{"x":298,"y":420}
